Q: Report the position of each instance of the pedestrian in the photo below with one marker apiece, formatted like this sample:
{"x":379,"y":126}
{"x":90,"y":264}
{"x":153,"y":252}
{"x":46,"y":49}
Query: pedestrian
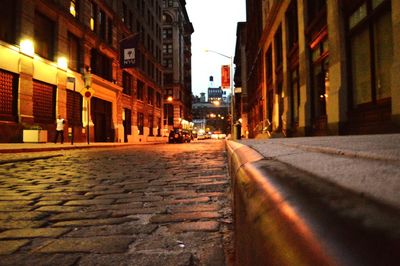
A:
{"x":59,"y":129}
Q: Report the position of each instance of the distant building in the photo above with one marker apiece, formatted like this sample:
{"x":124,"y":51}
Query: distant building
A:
{"x":211,"y":117}
{"x":216,"y":95}
{"x":176,"y":32}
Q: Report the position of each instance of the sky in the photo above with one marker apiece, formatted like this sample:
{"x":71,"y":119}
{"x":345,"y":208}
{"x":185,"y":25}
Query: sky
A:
{"x":214,"y":23}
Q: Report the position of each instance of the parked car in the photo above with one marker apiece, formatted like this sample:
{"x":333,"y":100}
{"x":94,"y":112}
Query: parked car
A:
{"x":178,"y":135}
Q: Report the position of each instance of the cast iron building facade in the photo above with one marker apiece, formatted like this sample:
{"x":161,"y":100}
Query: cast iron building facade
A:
{"x":51,"y":50}
{"x":177,"y":31}
{"x":323,"y":67}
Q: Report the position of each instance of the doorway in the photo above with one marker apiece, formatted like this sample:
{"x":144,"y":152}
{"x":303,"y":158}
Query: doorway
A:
{"x":101,"y":116}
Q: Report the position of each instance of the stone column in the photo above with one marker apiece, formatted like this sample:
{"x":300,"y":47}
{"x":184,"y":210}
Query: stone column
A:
{"x":304,"y":71}
{"x":396,"y":63}
{"x":286,"y":123}
{"x":336,"y":85}
{"x":25,"y":105}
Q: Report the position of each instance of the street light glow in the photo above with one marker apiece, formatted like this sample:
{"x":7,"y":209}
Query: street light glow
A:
{"x":169,"y":99}
{"x":27,"y":47}
{"x":62,"y":63}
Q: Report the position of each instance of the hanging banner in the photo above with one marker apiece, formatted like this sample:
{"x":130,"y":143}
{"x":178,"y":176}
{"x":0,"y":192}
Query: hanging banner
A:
{"x":127,"y":52}
{"x":225,"y":77}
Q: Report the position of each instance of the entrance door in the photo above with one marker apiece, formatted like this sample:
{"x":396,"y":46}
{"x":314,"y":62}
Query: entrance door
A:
{"x":127,"y":124}
{"x":101,"y":116}
{"x":319,"y":117}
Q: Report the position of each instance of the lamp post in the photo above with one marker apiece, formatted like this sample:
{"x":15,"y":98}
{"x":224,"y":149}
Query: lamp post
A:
{"x":169,"y":99}
{"x":230,"y":83}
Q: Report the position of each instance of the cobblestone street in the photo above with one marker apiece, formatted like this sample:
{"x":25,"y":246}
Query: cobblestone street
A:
{"x":140,"y":205}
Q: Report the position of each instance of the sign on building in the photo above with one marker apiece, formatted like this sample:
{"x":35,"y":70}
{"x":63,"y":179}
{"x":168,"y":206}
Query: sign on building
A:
{"x":128,"y":55}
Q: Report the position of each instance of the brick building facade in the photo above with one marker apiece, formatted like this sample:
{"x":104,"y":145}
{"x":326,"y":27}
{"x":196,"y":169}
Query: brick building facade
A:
{"x":48,"y":48}
{"x":323,"y":67}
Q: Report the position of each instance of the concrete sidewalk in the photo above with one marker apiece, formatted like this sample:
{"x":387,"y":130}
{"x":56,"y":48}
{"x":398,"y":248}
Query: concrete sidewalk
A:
{"x":316,"y":200}
{"x":368,"y":164}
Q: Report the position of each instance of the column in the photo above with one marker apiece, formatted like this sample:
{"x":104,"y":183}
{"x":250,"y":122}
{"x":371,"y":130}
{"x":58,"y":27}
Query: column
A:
{"x":396,"y":63}
{"x":304,"y":70}
{"x":336,"y":106}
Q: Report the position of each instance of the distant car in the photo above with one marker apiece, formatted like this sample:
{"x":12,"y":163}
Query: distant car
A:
{"x":178,"y":135}
{"x":201,"y":136}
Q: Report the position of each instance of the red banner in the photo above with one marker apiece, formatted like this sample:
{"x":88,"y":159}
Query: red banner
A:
{"x":225,"y":77}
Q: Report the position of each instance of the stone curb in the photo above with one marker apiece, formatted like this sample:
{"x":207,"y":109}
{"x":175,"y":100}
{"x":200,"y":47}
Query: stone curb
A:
{"x":283,"y":216}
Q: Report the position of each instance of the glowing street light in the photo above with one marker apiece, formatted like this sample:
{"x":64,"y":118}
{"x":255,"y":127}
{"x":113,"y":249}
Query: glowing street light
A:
{"x":62,"y":63}
{"x":27,"y":47}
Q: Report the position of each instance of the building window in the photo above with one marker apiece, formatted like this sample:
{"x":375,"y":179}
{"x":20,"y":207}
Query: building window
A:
{"x":73,"y":52}
{"x":109,"y":31}
{"x":44,"y":36}
{"x":150,"y":96}
{"x":8,"y":96}
{"x":74,"y":108}
{"x":278,"y":49}
{"x":315,"y":9}
{"x":124,"y":13}
{"x":158,"y":99}
{"x":168,"y":78}
{"x":167,"y":33}
{"x":73,"y":8}
{"x":102,"y":25}
{"x":140,"y":89}
{"x":371,"y":46}
{"x":8,"y":21}
{"x":43,"y":102}
{"x":140,"y":123}
{"x":151,"y":125}
{"x":167,"y":48}
{"x":101,"y":65}
{"x":167,"y":62}
{"x":127,"y":83}
{"x":93,"y":16}
{"x":292,"y":24}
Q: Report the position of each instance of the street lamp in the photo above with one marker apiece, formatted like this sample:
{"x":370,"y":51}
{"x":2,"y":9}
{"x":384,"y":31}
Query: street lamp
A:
{"x":169,"y":99}
{"x":230,"y":83}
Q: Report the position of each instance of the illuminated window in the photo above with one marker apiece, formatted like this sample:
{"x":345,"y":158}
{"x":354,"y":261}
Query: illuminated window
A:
{"x":73,"y":6}
{"x":93,"y":16}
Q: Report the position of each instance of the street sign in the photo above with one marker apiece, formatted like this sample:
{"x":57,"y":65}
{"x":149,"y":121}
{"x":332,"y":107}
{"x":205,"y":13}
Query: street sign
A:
{"x":87,"y":92}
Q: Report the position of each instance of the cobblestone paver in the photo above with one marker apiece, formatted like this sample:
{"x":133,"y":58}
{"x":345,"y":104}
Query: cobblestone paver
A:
{"x":139,"y":205}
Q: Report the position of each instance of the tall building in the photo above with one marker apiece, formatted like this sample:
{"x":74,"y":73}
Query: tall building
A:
{"x":241,"y":99}
{"x":323,"y":67}
{"x":177,"y":31}
{"x":51,"y":50}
